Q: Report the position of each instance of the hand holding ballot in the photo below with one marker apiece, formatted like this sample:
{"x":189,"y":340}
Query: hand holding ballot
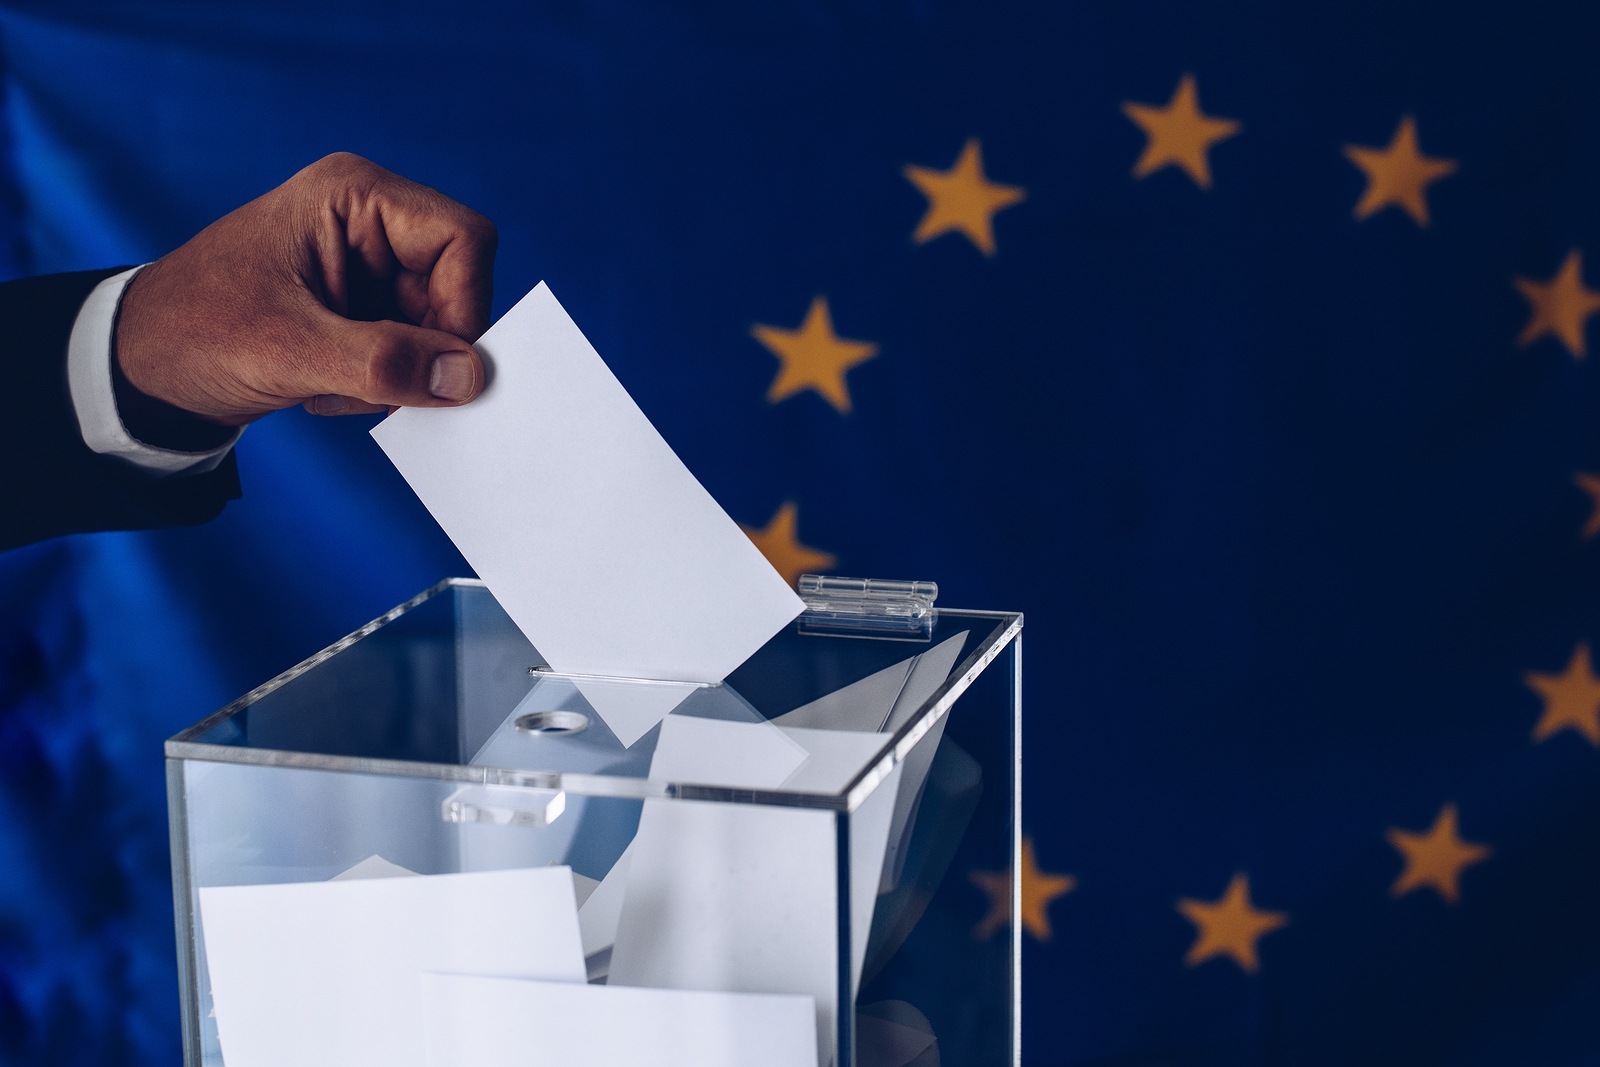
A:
{"x":347,"y":289}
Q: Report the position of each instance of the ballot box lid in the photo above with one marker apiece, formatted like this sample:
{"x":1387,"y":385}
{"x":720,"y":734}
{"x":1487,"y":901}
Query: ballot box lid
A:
{"x":445,"y":686}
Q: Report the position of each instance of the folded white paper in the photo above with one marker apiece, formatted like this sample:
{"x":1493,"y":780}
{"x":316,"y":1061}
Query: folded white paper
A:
{"x":833,"y":758}
{"x":474,"y":1021}
{"x":738,"y":755}
{"x":632,"y":709}
{"x":740,"y":752}
{"x":591,"y":533}
{"x":328,"y":974}
{"x":862,"y":705}
{"x":885,"y":701}
{"x":599,"y":911}
{"x":739,"y":898}
{"x":373,"y":866}
{"x":734,"y":898}
{"x":583,"y":888}
{"x":928,"y":672}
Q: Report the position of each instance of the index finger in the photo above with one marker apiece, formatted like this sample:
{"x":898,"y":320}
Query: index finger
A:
{"x":446,"y":254}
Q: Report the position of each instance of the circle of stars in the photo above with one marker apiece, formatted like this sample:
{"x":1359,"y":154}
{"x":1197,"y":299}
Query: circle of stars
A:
{"x":963,"y":201}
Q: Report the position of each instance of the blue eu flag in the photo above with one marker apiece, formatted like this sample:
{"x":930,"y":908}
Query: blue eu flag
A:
{"x":1243,"y":347}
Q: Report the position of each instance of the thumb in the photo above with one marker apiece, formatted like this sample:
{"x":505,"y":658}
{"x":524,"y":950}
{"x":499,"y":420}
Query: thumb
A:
{"x":391,"y":363}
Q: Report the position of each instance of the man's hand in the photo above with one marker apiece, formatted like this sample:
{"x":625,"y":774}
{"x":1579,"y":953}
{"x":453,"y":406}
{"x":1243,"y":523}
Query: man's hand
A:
{"x":347,"y":289}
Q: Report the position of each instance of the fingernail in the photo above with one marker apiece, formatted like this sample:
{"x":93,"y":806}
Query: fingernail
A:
{"x":454,"y":376}
{"x":329,"y":404}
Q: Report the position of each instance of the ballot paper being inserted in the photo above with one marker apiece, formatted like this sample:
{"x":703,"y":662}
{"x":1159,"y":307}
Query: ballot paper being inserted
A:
{"x":585,"y":525}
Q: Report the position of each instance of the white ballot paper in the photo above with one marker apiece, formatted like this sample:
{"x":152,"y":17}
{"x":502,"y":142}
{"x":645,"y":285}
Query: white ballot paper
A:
{"x":591,"y":533}
{"x":885,"y":701}
{"x":735,"y":898}
{"x":738,"y":755}
{"x":473,"y":1022}
{"x":741,"y":898}
{"x":373,"y":866}
{"x":329,"y":974}
{"x":745,"y":752}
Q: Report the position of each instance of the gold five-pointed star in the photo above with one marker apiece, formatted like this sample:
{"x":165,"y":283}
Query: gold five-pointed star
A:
{"x":1179,"y":134}
{"x":1571,"y":698}
{"x":813,"y":357}
{"x":1229,"y":927}
{"x":1590,"y":483}
{"x":1436,"y":858}
{"x":1038,"y":890}
{"x":779,"y":542}
{"x":962,"y":199}
{"x":1398,"y":175}
{"x":1561,"y":306}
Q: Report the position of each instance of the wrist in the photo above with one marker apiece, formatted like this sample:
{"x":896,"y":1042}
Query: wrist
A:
{"x":164,"y":425}
{"x":147,"y":417}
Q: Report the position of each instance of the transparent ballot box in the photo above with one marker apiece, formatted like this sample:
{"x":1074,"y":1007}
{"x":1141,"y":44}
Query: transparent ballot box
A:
{"x":423,"y":846}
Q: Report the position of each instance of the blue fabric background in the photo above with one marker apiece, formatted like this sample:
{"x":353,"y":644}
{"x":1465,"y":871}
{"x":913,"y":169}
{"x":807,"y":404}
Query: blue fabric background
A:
{"x":1289,"y":511}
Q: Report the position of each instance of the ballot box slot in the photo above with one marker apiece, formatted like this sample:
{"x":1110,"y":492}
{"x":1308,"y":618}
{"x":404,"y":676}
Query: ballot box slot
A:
{"x":558,"y":723}
{"x":544,"y":670}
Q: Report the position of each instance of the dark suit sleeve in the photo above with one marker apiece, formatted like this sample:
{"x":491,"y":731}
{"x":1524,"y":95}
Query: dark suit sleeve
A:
{"x":51,"y":483}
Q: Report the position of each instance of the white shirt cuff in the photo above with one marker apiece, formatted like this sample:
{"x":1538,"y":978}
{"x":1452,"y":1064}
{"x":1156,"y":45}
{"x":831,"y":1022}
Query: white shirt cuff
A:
{"x":94,"y":398}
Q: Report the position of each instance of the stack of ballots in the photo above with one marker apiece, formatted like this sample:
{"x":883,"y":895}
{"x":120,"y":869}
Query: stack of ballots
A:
{"x":413,"y":849}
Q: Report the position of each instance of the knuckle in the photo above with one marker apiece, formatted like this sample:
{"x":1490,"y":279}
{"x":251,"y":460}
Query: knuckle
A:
{"x":344,"y":171}
{"x":341,"y":163}
{"x":472,"y":234}
{"x":482,"y":231}
{"x":387,"y":366}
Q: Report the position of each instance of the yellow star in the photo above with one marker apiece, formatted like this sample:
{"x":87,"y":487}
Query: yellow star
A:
{"x":1230,"y":927}
{"x":1590,"y":483}
{"x":962,"y":199}
{"x":1179,"y":134}
{"x":779,"y":543}
{"x":1398,"y":175}
{"x":1435,"y":859}
{"x":1038,"y":890}
{"x":813,"y":357}
{"x":1561,"y":306}
{"x":1571,"y":698}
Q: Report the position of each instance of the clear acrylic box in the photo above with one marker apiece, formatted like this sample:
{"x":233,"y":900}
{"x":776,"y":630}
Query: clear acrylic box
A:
{"x":796,"y":843}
